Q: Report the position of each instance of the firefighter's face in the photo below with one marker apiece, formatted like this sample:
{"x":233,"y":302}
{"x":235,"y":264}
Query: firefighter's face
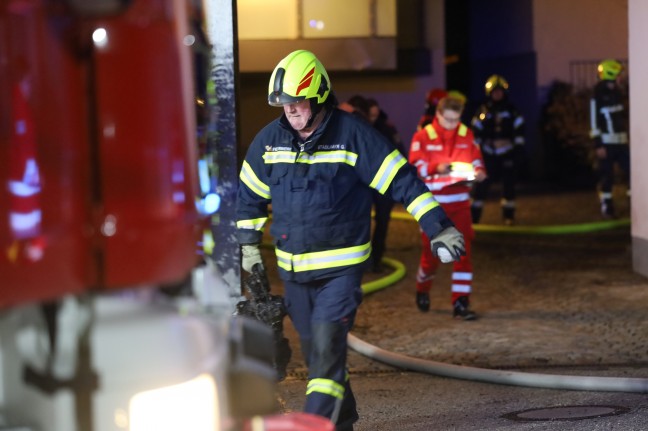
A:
{"x":497,"y":94}
{"x":298,"y":114}
{"x":374,"y":113}
{"x":449,"y":119}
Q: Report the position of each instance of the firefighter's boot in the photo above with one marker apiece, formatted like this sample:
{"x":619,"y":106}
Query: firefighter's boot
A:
{"x":461,"y":309}
{"x":423,"y":301}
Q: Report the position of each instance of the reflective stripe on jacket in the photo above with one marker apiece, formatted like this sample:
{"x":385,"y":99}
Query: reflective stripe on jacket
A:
{"x":459,"y":149}
{"x":320,"y":191}
{"x":608,"y":115}
{"x":494,"y":121}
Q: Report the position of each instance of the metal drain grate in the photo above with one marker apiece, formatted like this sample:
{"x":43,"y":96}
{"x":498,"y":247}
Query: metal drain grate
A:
{"x":565,"y":413}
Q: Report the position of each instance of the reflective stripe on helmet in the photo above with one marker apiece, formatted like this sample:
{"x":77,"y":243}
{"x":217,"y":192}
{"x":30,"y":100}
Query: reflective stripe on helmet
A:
{"x":298,"y":76}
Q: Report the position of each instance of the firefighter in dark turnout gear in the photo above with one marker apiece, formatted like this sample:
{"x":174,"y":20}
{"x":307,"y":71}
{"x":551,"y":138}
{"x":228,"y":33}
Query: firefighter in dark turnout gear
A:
{"x":609,"y":130}
{"x":317,"y":166}
{"x":499,"y":130}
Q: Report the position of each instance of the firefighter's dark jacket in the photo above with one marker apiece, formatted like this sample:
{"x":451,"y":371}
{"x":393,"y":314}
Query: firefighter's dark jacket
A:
{"x":608,"y":115}
{"x":321,"y":197}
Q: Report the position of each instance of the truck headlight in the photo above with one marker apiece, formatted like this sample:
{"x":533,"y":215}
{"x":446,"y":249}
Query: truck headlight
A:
{"x":192,"y":405}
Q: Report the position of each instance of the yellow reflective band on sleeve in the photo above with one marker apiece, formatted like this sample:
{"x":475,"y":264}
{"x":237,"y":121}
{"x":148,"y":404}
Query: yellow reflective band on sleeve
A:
{"x":463,"y":130}
{"x":323,"y":259}
{"x":390,"y":166}
{"x":250,"y":179}
{"x":327,"y":387}
{"x":432,"y":134}
{"x":256,"y":224}
{"x":421,"y":205}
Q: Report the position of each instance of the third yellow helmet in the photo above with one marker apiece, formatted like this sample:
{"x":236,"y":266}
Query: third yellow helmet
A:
{"x":609,"y":69}
{"x":495,"y":81}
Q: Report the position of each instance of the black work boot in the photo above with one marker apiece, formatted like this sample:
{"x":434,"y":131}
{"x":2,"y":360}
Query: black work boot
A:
{"x":423,"y":301}
{"x":461,"y":310}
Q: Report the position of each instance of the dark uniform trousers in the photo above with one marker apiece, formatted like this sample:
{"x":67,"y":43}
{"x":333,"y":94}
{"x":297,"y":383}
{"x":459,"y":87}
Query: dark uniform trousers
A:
{"x":323,"y":312}
{"x":616,"y":154}
{"x":502,"y":168}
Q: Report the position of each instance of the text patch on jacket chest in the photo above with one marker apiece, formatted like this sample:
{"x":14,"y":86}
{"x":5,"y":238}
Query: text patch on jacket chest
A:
{"x":432,"y":147}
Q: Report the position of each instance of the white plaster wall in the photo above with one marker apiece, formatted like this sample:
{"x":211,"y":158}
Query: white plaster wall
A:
{"x":567,"y":30}
{"x":638,"y":35}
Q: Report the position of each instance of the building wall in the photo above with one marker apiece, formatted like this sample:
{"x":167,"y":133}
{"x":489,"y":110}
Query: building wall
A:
{"x":563,"y":31}
{"x":638,"y":35}
{"x":577,"y":30}
{"x":402,"y":96}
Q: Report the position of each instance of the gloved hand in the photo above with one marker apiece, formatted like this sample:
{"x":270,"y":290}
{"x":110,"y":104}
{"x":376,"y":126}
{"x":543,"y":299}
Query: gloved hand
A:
{"x":250,"y":256}
{"x":448,"y":245}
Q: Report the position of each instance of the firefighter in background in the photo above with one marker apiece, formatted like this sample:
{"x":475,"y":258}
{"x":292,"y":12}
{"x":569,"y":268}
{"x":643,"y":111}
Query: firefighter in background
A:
{"x":383,"y":205}
{"x":499,"y":130}
{"x":317,"y":165}
{"x":609,"y":130}
{"x":432,"y":99}
{"x":448,"y":159}
{"x":369,"y":110}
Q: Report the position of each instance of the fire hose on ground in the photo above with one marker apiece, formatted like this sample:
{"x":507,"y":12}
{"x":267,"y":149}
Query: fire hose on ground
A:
{"x":538,"y":380}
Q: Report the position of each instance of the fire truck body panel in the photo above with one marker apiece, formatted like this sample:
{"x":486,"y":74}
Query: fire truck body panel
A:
{"x":100,"y":206}
{"x":109,"y":131}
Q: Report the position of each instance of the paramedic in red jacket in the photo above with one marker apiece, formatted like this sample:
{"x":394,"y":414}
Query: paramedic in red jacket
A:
{"x":448,"y":159}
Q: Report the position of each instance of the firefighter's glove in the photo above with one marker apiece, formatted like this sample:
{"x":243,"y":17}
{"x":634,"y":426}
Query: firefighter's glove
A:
{"x":448,"y":245}
{"x":250,"y":256}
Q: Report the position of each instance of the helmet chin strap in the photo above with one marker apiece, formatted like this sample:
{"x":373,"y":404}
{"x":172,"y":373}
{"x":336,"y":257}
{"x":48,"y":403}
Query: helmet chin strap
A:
{"x":315,"y":109}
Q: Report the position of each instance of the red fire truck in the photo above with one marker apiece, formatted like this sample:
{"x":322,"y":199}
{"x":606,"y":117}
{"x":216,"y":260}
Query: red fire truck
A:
{"x":103,"y":201}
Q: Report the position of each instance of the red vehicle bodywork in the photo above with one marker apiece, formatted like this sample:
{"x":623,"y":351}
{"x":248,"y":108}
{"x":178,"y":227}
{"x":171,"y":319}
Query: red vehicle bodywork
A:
{"x":98,"y":151}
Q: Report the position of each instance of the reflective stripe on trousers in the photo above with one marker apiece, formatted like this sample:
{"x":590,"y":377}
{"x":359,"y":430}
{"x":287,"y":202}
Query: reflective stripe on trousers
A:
{"x":323,"y":313}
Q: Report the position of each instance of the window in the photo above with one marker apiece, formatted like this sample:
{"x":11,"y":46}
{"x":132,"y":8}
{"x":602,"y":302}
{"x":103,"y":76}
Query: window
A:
{"x":364,"y":30}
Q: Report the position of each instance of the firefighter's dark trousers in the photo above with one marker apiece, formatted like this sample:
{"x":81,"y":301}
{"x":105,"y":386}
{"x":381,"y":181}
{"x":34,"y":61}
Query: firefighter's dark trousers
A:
{"x":618,"y":155}
{"x":504,"y":169}
{"x":323,"y":313}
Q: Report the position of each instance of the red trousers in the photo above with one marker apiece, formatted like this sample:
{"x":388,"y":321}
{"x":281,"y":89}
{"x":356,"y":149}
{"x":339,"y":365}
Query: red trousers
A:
{"x":462,"y":271}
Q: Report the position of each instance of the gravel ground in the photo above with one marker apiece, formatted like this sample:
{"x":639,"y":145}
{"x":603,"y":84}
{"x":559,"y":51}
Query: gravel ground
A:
{"x":550,"y":302}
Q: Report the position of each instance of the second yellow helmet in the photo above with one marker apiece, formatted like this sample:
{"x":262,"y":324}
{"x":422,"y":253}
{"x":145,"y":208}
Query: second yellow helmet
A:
{"x":495,"y":81}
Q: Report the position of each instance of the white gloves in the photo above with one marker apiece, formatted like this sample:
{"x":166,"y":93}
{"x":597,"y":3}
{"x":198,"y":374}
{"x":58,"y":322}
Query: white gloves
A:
{"x":250,"y":256}
{"x":448,"y":245}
